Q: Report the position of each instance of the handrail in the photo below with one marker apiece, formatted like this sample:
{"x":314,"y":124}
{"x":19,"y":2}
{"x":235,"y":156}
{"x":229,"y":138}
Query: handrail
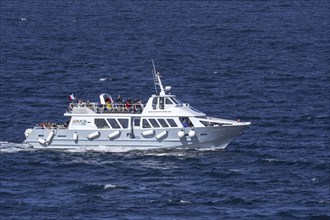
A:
{"x":112,"y":108}
{"x":48,"y":125}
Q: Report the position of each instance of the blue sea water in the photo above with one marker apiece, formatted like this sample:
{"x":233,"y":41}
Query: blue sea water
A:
{"x":267,"y":62}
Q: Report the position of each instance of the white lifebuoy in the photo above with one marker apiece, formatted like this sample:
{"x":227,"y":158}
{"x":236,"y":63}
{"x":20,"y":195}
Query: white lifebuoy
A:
{"x":181,"y":134}
{"x":93,"y":135}
{"x":50,"y":137}
{"x":75,"y":137}
{"x":42,"y":141}
{"x":27,"y":132}
{"x":114,"y":135}
{"x":161,"y":135}
{"x":191,"y":133}
{"x":148,"y":133}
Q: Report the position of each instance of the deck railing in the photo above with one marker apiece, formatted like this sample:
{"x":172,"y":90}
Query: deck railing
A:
{"x":48,"y":125}
{"x":112,"y":108}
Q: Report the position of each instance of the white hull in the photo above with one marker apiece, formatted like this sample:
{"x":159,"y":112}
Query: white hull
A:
{"x":215,"y":137}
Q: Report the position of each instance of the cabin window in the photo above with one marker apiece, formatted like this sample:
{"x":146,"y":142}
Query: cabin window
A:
{"x":185,"y":121}
{"x":123,"y":122}
{"x":113,"y":123}
{"x":161,"y":102}
{"x":162,"y":122}
{"x":168,"y":102}
{"x":176,"y":101}
{"x":154,"y":123}
{"x":145,"y":124}
{"x":154,"y":103}
{"x":172,"y":122}
{"x":137,"y":122}
{"x":101,"y":123}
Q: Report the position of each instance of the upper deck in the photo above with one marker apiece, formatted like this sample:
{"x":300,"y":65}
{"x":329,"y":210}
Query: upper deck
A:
{"x":98,"y":108}
{"x":160,"y":104}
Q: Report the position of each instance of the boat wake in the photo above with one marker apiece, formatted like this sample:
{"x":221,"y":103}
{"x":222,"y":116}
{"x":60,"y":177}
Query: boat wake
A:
{"x":10,"y":147}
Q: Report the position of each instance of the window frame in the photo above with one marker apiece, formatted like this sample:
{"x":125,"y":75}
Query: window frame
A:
{"x":139,"y":122}
{"x":104,"y":120}
{"x":126,"y":119}
{"x":145,"y":120}
{"x":168,"y":101}
{"x":171,"y":119}
{"x":108,"y":119}
{"x":161,"y":124}
{"x":151,"y":120}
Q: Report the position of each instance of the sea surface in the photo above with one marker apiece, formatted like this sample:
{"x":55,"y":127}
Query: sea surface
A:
{"x":267,"y":62}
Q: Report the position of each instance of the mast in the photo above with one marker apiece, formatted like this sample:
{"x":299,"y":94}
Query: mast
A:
{"x":157,"y":80}
{"x":154,"y":75}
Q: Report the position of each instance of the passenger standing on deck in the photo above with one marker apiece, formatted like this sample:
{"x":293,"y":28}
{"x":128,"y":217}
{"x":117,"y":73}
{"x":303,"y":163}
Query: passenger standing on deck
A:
{"x":109,"y":105}
{"x":135,"y":102}
{"x":119,"y":99}
{"x":118,"y":103}
{"x":184,"y":123}
{"x":128,"y":103}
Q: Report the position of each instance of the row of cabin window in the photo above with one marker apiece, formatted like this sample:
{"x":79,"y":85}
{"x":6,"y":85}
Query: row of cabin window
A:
{"x":157,"y":123}
{"x":123,"y":123}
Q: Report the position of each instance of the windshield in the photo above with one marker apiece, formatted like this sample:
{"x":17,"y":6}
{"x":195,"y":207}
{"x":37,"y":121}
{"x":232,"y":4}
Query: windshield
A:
{"x":176,"y":101}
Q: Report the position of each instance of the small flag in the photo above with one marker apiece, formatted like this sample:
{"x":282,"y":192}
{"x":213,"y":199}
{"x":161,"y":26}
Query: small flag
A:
{"x":71,"y":97}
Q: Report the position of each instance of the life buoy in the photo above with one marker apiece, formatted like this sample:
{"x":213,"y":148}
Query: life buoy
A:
{"x":114,"y":135}
{"x":192,"y":133}
{"x":93,"y":135}
{"x":148,"y":133}
{"x":161,"y":135}
{"x":50,"y":137}
{"x":75,"y":137}
{"x":181,"y":134}
{"x":42,"y":141}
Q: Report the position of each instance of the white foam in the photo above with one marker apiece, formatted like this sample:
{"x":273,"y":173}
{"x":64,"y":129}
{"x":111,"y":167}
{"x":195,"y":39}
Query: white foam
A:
{"x":147,"y":151}
{"x":273,"y":160}
{"x":210,"y":149}
{"x":110,"y":186}
{"x":104,"y":79}
{"x":184,"y":202}
{"x":324,"y":201}
{"x":8,"y":147}
{"x":105,"y":149}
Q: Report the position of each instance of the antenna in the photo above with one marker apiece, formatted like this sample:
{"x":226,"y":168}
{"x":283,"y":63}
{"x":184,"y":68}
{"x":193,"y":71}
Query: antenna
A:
{"x":154,"y":75}
{"x":157,"y":80}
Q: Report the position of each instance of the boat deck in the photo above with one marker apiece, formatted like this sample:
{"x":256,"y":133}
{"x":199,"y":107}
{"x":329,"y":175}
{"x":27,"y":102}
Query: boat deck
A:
{"x":106,"y":108}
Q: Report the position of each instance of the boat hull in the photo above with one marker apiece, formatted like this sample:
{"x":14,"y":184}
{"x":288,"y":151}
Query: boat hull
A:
{"x":205,"y":137}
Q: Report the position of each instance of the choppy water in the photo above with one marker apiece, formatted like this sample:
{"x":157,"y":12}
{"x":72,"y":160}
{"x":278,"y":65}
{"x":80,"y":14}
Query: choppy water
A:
{"x":261,"y":61}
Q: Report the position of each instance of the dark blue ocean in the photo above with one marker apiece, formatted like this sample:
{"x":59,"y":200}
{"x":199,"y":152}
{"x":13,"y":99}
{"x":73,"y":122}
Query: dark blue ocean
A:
{"x":267,"y":62}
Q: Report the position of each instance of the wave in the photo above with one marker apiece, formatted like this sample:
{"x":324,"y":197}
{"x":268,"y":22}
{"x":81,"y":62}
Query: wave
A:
{"x":97,"y":188}
{"x":10,"y":147}
{"x":112,"y":187}
{"x":102,"y":79}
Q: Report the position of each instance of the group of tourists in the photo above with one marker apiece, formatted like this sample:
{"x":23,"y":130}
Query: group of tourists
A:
{"x":120,"y":104}
{"x":45,"y":125}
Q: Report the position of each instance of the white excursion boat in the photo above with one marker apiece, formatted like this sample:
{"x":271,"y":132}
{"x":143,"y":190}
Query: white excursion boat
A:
{"x":163,"y":122}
